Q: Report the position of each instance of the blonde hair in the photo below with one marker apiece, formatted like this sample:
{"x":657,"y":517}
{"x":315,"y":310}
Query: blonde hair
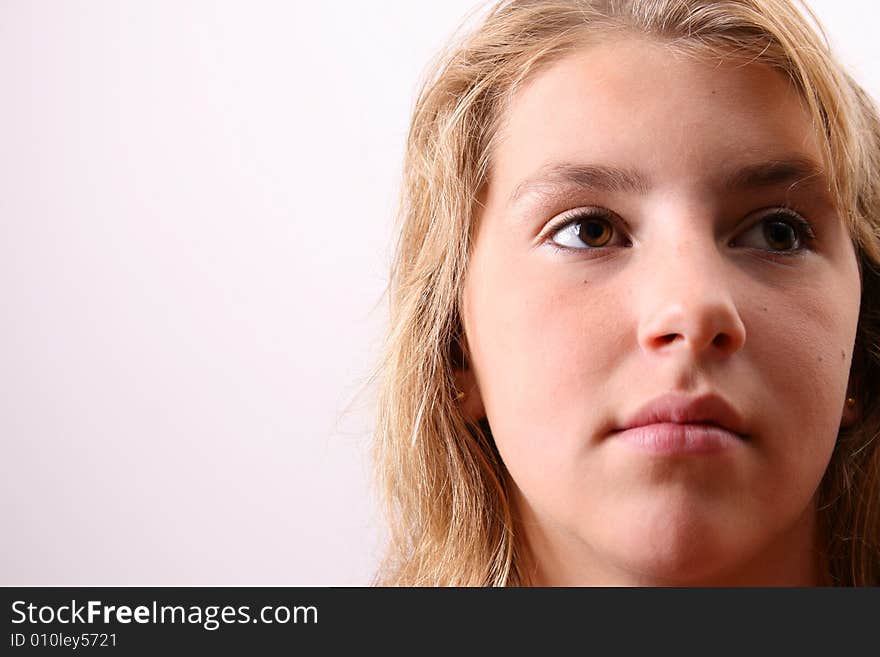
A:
{"x":445,"y":487}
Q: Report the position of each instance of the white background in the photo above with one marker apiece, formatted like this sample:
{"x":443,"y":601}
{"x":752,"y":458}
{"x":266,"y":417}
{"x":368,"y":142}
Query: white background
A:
{"x":196,"y":203}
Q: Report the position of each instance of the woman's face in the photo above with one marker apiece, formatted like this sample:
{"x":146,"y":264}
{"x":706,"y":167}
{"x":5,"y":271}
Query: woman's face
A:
{"x":657,"y":242}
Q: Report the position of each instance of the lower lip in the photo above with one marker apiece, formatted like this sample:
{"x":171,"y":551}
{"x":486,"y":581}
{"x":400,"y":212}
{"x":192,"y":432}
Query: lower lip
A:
{"x":670,"y":438}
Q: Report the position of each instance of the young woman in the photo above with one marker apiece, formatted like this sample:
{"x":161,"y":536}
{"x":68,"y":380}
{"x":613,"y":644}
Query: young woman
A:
{"x":634,"y":306}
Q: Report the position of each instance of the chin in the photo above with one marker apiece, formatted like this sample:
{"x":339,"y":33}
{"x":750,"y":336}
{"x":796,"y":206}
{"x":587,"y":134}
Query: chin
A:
{"x":673,"y":548}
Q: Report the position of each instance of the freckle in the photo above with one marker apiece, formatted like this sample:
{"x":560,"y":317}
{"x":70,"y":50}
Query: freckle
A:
{"x":764,"y":308}
{"x":820,"y":359}
{"x":843,"y":354}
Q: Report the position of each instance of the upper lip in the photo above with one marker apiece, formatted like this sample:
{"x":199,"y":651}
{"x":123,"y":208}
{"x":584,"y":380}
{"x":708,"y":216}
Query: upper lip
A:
{"x":682,"y":409}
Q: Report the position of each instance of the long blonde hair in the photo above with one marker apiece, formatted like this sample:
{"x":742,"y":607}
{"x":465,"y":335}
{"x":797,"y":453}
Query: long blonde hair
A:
{"x":446,"y":490}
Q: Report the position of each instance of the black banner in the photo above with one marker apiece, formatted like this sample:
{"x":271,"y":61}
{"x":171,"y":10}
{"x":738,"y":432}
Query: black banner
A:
{"x":133,"y":621}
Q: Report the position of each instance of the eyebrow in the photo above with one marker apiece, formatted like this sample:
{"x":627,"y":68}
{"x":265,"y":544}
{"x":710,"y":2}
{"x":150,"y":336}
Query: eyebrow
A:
{"x":789,"y":170}
{"x":589,"y":176}
{"x":792,"y":170}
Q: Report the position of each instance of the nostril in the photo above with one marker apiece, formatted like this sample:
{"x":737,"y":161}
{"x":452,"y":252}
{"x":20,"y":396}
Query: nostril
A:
{"x":721,"y":341}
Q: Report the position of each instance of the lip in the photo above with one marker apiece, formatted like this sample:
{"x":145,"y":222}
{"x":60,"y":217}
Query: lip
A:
{"x":679,"y":424}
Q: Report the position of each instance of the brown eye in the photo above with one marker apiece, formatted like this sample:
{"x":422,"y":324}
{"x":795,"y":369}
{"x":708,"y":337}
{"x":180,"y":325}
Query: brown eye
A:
{"x":595,"y":232}
{"x":781,"y":231}
{"x":780,"y":235}
{"x":587,"y":229}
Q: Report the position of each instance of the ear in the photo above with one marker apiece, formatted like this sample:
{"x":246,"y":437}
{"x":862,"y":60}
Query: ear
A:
{"x":853,"y":405}
{"x":468,"y":390}
{"x":470,"y":399}
{"x":852,"y":411}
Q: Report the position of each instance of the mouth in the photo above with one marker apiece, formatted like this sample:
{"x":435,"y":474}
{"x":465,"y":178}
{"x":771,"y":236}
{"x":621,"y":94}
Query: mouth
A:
{"x":674,"y":438}
{"x":675,"y":424}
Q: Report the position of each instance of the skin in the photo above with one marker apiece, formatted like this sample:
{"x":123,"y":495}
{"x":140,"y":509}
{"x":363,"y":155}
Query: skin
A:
{"x":687,"y":295}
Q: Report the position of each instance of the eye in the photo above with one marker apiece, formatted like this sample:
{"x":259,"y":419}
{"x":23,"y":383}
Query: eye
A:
{"x":780,"y":230}
{"x":585,"y":229}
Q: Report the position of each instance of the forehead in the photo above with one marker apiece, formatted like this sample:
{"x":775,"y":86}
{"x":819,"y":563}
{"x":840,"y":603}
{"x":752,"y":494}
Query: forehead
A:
{"x":638,"y":105}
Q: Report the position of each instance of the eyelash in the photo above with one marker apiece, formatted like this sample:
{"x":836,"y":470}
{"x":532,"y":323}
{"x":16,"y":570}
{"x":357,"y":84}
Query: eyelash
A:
{"x":805,"y":234}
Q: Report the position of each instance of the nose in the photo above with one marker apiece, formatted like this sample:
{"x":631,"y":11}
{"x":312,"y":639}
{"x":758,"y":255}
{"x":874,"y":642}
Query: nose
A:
{"x":687,"y":303}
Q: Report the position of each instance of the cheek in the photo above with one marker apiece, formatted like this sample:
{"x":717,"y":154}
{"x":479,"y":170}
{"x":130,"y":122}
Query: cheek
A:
{"x":800,"y":345}
{"x":543,"y":349}
{"x":549,"y":352}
